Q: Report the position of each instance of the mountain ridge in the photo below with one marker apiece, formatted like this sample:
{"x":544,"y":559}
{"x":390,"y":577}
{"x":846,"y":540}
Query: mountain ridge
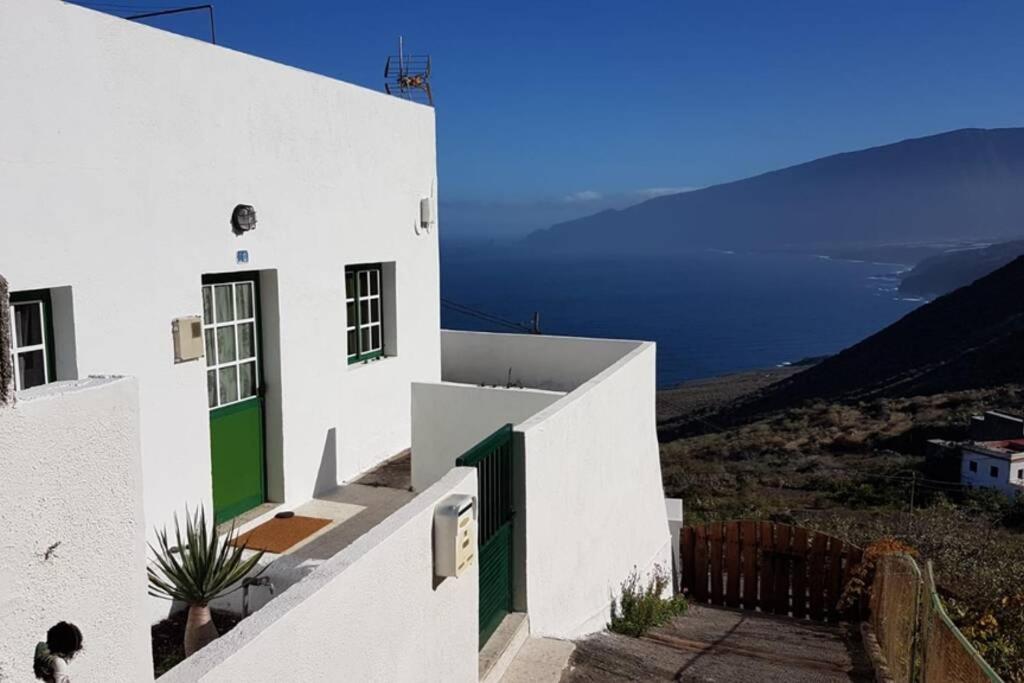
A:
{"x":961,"y":183}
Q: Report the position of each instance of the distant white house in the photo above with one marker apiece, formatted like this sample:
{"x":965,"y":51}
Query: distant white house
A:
{"x":256,"y":246}
{"x":994,"y":464}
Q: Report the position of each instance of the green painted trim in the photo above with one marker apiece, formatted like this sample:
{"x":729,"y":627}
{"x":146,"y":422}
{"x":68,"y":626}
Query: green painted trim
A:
{"x":228,"y":512}
{"x":28,"y":296}
{"x":232,"y":511}
{"x":354,"y":270}
{"x":478,"y":452}
{"x":232,"y":408}
{"x":366,"y":357}
{"x":941,"y":611}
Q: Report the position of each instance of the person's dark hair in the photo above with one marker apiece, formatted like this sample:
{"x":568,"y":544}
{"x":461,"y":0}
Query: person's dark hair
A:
{"x":64,"y":640}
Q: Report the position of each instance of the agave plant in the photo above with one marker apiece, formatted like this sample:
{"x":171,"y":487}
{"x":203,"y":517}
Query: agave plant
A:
{"x":197,"y":569}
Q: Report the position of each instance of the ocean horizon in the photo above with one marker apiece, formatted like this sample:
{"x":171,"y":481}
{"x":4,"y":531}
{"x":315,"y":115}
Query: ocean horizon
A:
{"x":711,"y":312}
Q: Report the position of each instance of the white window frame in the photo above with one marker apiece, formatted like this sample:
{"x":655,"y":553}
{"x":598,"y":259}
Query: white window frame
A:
{"x":16,"y":350}
{"x":213,"y":364}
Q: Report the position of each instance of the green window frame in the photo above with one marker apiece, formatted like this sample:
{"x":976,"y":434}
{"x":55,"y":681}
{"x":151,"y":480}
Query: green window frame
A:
{"x":364,"y":328}
{"x":31,"y":342}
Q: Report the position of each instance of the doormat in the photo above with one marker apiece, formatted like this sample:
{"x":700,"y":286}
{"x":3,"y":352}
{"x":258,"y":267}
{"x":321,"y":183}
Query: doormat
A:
{"x":278,"y":535}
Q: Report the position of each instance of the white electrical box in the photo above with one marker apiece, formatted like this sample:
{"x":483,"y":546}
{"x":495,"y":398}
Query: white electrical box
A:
{"x":454,"y":535}
{"x":187,"y":332}
{"x":426,"y":212}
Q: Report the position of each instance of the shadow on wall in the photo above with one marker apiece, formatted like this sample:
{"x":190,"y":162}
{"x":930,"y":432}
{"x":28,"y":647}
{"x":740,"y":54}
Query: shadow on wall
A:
{"x":327,"y":476}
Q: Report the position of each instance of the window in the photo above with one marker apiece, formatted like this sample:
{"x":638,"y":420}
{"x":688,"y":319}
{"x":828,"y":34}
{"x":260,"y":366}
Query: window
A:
{"x":363,"y":310}
{"x":230,"y":333}
{"x":973,"y":466}
{"x":31,"y":339}
{"x":1020,"y":473}
{"x":993,"y":471}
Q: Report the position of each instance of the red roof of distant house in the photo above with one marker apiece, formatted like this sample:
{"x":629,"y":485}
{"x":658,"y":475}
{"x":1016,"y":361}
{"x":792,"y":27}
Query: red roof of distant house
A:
{"x":1004,"y":446}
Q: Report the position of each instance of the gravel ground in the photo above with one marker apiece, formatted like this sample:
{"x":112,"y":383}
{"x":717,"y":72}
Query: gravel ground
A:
{"x":728,"y":646}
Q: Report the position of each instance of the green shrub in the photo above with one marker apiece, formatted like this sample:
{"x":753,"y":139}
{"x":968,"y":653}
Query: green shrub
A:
{"x":641,"y":608}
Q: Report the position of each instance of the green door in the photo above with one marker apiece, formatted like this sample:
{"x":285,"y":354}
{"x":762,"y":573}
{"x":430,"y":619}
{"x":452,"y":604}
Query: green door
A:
{"x":233,"y":374}
{"x":492,"y":459}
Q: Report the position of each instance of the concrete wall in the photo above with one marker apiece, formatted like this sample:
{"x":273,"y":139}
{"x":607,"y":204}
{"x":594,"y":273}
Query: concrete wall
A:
{"x":592,"y":502}
{"x":1009,"y":479}
{"x":370,"y":613}
{"x":535,"y":361}
{"x":71,"y":531}
{"x":449,"y":419}
{"x":124,"y":149}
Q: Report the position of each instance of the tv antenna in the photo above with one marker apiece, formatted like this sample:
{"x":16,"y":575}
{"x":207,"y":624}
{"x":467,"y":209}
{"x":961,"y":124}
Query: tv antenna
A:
{"x":408,"y":76}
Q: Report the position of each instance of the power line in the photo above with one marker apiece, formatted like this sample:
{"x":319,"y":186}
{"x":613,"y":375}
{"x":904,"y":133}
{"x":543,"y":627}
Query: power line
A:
{"x":488,"y":317}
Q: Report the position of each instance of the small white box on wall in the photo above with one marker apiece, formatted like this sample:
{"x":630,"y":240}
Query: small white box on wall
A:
{"x":187,"y":332}
{"x":454,"y":535}
{"x":426,"y":212}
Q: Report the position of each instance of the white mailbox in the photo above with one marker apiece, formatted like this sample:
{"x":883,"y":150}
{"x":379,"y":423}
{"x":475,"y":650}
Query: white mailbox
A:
{"x":454,"y":535}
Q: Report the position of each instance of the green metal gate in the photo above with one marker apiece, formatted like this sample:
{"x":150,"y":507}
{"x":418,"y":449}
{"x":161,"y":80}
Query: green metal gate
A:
{"x":492,"y":459}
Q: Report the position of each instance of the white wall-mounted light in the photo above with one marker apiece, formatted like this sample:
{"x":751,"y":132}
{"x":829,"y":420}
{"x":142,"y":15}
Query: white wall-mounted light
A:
{"x":427,"y":213}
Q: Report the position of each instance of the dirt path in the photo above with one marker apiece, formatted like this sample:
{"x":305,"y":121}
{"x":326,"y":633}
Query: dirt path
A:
{"x":711,"y":644}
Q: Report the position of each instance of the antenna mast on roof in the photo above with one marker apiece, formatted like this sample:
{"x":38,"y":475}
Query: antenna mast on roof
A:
{"x":408,"y":76}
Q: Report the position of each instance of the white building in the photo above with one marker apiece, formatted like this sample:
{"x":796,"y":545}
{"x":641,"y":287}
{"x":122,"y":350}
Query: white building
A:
{"x":131,"y":163}
{"x":994,"y":464}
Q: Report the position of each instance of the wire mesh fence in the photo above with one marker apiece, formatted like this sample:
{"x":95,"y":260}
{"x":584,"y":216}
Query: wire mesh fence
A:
{"x":917,"y":638}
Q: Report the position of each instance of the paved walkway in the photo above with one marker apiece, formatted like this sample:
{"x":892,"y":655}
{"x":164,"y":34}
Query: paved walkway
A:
{"x":353,"y":510}
{"x":716,"y":644}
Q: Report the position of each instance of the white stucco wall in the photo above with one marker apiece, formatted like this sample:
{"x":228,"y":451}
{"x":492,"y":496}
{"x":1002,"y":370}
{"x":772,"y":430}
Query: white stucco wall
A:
{"x":593,"y":506}
{"x":449,"y":419}
{"x":536,"y":361}
{"x":1008,"y":481}
{"x":71,"y":484}
{"x":370,"y":613}
{"x":123,"y":150}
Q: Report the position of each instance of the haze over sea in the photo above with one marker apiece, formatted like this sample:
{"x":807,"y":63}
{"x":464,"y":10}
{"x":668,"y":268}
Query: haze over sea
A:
{"x":710,"y":312}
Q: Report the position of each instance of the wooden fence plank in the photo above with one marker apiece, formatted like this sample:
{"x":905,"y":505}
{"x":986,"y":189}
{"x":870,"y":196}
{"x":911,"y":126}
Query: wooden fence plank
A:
{"x":816,"y":576}
{"x":800,"y":572}
{"x":700,"y":564}
{"x":834,"y":578}
{"x":748,"y":555}
{"x":686,"y":559}
{"x":776,"y":568}
{"x":766,"y":600}
{"x":732,"y":564}
{"x":783,"y":537}
{"x":715,"y":549}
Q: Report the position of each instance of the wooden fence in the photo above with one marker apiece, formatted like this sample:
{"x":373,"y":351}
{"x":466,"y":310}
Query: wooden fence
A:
{"x":773,"y":568}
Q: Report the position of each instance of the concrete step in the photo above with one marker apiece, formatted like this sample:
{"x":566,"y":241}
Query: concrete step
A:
{"x":540,"y":660}
{"x":503,"y":646}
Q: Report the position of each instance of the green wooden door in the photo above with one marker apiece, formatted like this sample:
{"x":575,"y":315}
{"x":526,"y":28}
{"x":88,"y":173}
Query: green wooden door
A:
{"x":492,"y":459}
{"x":233,"y":374}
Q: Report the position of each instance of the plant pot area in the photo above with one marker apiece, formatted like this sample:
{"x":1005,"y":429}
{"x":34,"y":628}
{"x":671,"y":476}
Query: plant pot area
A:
{"x":169,"y":634}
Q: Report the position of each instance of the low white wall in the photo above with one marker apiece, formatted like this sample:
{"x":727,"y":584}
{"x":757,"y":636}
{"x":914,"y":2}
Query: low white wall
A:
{"x":449,"y":419}
{"x":71,"y":528}
{"x":370,"y":613}
{"x":593,"y":506}
{"x":535,"y":361}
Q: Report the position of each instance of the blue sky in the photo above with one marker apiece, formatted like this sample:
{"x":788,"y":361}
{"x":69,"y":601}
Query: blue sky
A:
{"x":552,"y":110}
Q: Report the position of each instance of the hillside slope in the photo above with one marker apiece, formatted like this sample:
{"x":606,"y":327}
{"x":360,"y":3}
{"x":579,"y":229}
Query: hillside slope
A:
{"x":945,"y":272}
{"x":960,"y":184}
{"x":971,"y":338}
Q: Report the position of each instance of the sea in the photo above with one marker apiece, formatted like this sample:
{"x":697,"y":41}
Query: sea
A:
{"x":710,"y":312}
